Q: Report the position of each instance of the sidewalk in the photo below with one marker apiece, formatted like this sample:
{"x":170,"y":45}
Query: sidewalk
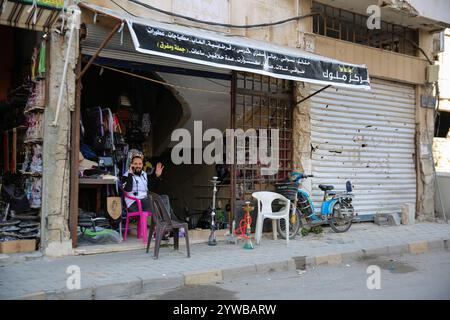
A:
{"x":113,"y":275}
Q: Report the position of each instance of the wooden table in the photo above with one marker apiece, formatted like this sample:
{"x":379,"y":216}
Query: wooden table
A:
{"x":96,"y":184}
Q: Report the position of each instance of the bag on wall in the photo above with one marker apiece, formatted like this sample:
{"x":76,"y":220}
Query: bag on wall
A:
{"x":136,"y":135}
{"x":102,"y":143}
{"x":105,"y":162}
{"x":119,"y":139}
{"x":119,"y":155}
{"x":87,"y":152}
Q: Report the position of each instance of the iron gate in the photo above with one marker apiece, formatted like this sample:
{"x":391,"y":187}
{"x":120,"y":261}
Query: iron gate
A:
{"x":261,"y":103}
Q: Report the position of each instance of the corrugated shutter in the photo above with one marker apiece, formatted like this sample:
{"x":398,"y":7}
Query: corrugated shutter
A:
{"x":124,"y":50}
{"x":366,"y":137}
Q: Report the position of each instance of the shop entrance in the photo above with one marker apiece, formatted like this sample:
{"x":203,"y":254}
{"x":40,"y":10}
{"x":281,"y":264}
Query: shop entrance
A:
{"x":23,"y":94}
{"x":146,"y":106}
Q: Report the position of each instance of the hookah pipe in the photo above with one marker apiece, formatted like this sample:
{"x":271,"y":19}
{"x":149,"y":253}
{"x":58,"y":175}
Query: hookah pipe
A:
{"x":245,"y":226}
{"x":212,"y":236}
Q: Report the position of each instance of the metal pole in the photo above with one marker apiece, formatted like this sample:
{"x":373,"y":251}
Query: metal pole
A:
{"x":233,"y":166}
{"x":97,"y":52}
{"x":313,"y":94}
{"x":212,"y":237}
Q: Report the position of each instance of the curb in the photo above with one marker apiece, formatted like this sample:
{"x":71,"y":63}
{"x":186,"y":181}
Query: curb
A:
{"x":152,"y":285}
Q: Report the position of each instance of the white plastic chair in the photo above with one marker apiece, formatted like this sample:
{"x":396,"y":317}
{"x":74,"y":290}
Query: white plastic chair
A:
{"x":265,"y":199}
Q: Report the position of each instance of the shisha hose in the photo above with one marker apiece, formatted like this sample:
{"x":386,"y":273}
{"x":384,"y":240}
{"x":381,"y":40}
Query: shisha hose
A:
{"x":243,"y":226}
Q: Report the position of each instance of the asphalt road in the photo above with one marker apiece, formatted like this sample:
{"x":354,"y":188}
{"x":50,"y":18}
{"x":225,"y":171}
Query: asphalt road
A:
{"x":404,"y":277}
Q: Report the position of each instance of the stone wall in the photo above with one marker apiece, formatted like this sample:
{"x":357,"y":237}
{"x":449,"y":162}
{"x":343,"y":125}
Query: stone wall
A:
{"x":302,"y":133}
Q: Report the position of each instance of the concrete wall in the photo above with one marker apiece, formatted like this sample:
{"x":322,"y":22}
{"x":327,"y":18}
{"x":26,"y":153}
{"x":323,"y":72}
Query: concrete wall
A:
{"x":55,"y":193}
{"x":442,"y":201}
{"x":444,"y":75}
{"x":224,"y":11}
{"x":441,"y":154}
{"x":381,"y":63}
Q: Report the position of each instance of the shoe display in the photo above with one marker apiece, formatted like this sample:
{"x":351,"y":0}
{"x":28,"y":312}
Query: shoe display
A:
{"x":29,"y":188}
{"x":27,"y":160}
{"x":36,"y":193}
{"x":9,"y":229}
{"x":34,"y":124}
{"x":29,"y":224}
{"x":37,"y":97}
{"x":9,"y":223}
{"x":21,"y":187}
{"x":36,"y":162}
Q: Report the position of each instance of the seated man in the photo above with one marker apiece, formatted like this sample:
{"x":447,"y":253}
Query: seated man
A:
{"x":138,"y":182}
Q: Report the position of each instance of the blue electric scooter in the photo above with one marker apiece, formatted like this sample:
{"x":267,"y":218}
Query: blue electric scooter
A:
{"x":337,"y":209}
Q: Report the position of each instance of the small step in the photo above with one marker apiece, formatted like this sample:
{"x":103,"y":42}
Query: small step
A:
{"x":210,"y":186}
{"x":210,"y":198}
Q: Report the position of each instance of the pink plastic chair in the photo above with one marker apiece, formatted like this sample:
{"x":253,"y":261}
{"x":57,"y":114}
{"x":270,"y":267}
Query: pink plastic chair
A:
{"x":142,"y":225}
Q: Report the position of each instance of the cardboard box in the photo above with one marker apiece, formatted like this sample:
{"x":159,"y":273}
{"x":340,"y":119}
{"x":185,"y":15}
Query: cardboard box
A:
{"x":18,"y":246}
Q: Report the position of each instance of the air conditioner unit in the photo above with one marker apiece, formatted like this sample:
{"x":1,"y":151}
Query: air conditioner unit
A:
{"x":438,"y":42}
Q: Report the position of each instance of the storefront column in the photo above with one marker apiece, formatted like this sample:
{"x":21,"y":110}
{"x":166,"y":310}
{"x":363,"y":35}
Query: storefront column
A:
{"x":55,"y":194}
{"x":302,"y":131}
{"x":426,"y":178}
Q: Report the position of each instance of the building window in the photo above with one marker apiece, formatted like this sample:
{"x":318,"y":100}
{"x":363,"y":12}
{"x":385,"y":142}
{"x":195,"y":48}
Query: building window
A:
{"x":345,"y":25}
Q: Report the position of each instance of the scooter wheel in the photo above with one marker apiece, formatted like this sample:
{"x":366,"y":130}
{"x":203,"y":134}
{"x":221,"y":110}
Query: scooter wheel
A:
{"x":294,"y":228}
{"x":341,"y":217}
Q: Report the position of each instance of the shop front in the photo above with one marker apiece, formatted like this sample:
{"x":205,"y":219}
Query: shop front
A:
{"x":24,"y":91}
{"x":139,"y":80}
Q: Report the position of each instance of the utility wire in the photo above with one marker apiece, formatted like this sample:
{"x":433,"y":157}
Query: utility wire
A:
{"x":245,"y":26}
{"x":121,"y":7}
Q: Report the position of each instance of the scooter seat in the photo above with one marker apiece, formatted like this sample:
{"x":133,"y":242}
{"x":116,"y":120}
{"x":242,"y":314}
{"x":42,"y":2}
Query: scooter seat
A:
{"x":325,"y":187}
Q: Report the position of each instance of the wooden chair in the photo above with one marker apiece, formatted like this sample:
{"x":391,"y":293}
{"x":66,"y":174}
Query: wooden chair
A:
{"x":162,"y":222}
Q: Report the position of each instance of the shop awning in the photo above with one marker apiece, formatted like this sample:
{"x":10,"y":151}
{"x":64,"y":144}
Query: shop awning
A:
{"x":35,"y":15}
{"x":237,"y":53}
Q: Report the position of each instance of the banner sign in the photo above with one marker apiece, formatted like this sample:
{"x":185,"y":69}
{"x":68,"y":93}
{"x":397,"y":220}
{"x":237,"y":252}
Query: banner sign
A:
{"x":237,"y":56}
{"x":56,"y":4}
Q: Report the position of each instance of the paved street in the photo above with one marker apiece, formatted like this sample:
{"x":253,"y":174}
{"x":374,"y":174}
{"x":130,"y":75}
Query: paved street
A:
{"x":404,"y":277}
{"x":124,"y":274}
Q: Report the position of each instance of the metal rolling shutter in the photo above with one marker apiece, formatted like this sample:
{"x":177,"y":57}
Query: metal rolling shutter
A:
{"x":366,"y":137}
{"x":124,"y":50}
